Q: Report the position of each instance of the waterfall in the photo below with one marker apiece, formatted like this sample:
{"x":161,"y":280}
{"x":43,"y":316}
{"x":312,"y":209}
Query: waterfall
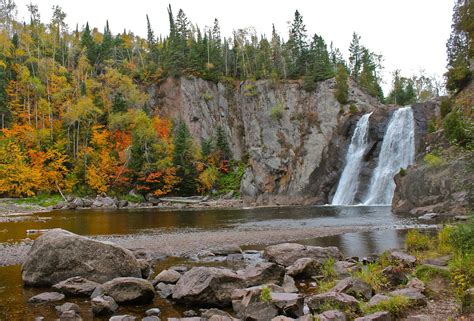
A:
{"x":349,"y":181}
{"x":398,"y":151}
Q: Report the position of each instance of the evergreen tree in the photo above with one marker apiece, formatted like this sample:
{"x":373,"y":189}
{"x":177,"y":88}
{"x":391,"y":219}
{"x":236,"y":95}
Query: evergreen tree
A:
{"x":355,"y":56}
{"x":297,"y":47}
{"x":342,"y":89}
{"x":222,"y":145}
{"x":278,"y":69}
{"x":105,"y":49}
{"x":88,"y":43}
{"x":5,"y":113}
{"x":369,"y":78}
{"x":183,"y":160}
{"x":320,"y":67}
{"x":402,"y":92}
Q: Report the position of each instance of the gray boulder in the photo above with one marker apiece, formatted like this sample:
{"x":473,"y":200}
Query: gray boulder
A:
{"x":153,"y":311}
{"x":68,"y":306}
{"x":332,"y":315}
{"x":167,"y":276}
{"x":151,"y":318}
{"x":345,"y":268}
{"x":304,"y":268}
{"x":76,"y":286}
{"x":125,"y":317}
{"x":355,"y":287}
{"x":262,"y":273}
{"x":377,"y":316}
{"x":289,"y":285}
{"x":165,"y":290}
{"x":402,"y":257}
{"x":286,"y":254}
{"x":378,"y":298}
{"x":342,"y":300}
{"x":258,"y":311}
{"x":241,"y":298}
{"x":103,"y":305}
{"x":207,"y":285}
{"x":129,"y":290}
{"x":413,"y":295}
{"x":145,"y":268}
{"x":70,"y":315}
{"x":59,"y":255}
{"x":47,"y":297}
{"x":288,"y":304}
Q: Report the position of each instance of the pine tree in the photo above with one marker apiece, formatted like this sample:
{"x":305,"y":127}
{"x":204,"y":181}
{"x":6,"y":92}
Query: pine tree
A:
{"x":183,"y":160}
{"x":222,"y":145}
{"x":297,"y":47}
{"x":320,"y":67}
{"x":355,"y":56}
{"x":342,"y":89}
{"x":105,"y":49}
{"x":369,"y":78}
{"x":88,"y":43}
{"x":278,"y":69}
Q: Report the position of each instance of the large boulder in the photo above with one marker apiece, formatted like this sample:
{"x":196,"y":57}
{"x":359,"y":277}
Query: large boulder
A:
{"x":241,"y":298}
{"x":288,"y":304}
{"x":167,"y":276}
{"x":413,"y":295}
{"x":207,"y":285}
{"x":377,"y":316}
{"x":262,"y":273}
{"x":103,"y":305}
{"x":47,"y":297}
{"x":59,"y":255}
{"x":258,"y":311}
{"x":331,"y":315}
{"x":304,"y":268}
{"x":341,"y":300}
{"x":129,"y":290}
{"x":76,"y":286}
{"x":287,"y":254}
{"x":355,"y":287}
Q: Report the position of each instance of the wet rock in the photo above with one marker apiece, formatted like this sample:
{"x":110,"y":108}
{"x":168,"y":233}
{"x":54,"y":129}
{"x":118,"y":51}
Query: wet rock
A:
{"x":151,"y":318}
{"x":304,"y":268}
{"x":402,"y":257}
{"x":70,"y":315}
{"x":289,"y":304}
{"x":332,"y":315}
{"x":59,"y":255}
{"x":262,"y":273}
{"x":208,"y":313}
{"x":129,"y":290}
{"x":39,"y":318}
{"x":332,"y":298}
{"x":145,"y":268}
{"x":125,"y":317}
{"x":286,"y":254}
{"x":241,"y":298}
{"x":395,"y":275}
{"x":76,"y":286}
{"x":428,"y":216}
{"x":289,"y":285}
{"x":258,"y":311}
{"x":355,"y":287}
{"x":416,"y":284}
{"x":377,"y":316}
{"x":344,"y":269}
{"x":47,"y":297}
{"x":378,"y":298}
{"x":187,"y":319}
{"x":282,"y":318}
{"x":207,"y":285}
{"x":122,"y":203}
{"x":68,"y":306}
{"x":413,"y":295}
{"x":231,"y":249}
{"x":167,"y":276}
{"x":165,"y":290}
{"x":153,"y":311}
{"x":103,"y":305}
{"x":189,"y":313}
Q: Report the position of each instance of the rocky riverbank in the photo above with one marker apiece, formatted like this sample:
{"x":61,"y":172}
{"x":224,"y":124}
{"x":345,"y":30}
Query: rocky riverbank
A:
{"x":286,"y":281}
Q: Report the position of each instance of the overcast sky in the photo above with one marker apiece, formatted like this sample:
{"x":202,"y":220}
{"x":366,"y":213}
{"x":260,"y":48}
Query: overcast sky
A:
{"x":411,"y":34}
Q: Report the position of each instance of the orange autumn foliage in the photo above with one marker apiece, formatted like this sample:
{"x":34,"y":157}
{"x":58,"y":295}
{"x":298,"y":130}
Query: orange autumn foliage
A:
{"x":159,"y":183}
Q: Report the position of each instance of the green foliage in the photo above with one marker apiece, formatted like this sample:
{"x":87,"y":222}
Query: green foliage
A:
{"x":231,"y":181}
{"x":353,"y":109}
{"x":372,"y":274}
{"x":462,"y":237}
{"x":432,"y":160}
{"x":342,"y":88}
{"x":250,"y":90}
{"x":445,"y":106}
{"x":426,"y":273}
{"x":396,"y":305}
{"x":432,"y":126}
{"x":44,"y":200}
{"x":265,"y":295}
{"x":417,"y":241}
{"x":132,"y":198}
{"x":183,"y":160}
{"x":327,"y":269}
{"x":457,"y":129}
{"x":402,"y":172}
{"x":207,"y":96}
{"x":222,"y":145}
{"x":403,"y":91}
{"x":277,"y":111}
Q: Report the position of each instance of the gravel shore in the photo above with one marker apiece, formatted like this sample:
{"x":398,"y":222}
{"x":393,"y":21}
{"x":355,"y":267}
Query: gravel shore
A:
{"x":188,"y":243}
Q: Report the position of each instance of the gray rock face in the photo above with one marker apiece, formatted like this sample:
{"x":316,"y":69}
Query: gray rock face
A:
{"x":377,"y":316}
{"x":334,"y":298}
{"x":262,"y":273}
{"x":207,"y":285}
{"x":355,"y":287}
{"x":129,"y":290}
{"x":304,"y":268}
{"x":167,"y":276}
{"x":287,"y":254}
{"x":59,"y":255}
{"x":76,"y":286}
{"x":47,"y":297}
{"x":103,"y":305}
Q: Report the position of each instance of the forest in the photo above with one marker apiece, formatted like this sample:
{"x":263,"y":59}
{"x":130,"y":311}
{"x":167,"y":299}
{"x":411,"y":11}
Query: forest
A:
{"x":75,"y":115}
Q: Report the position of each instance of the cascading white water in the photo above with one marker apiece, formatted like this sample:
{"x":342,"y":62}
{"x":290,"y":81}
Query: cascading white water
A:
{"x":349,"y":181}
{"x":398,"y":151}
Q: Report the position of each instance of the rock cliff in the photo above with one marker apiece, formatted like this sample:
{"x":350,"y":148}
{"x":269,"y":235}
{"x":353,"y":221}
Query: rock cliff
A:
{"x":294,"y":141}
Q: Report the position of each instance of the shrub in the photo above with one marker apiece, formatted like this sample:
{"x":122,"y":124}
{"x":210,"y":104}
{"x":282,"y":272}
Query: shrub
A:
{"x":427,"y":273}
{"x":462,"y":237}
{"x":402,"y":172}
{"x":431,"y":126}
{"x":396,"y":305}
{"x":444,"y":240}
{"x":432,"y":160}
{"x":250,"y":90}
{"x":207,"y":96}
{"x":417,"y":241}
{"x":327,"y":269}
{"x":353,"y":109}
{"x":445,"y":106}
{"x":265,"y":295}
{"x":372,"y":274}
{"x":277,"y":111}
{"x":456,"y":129}
{"x":231,"y":181}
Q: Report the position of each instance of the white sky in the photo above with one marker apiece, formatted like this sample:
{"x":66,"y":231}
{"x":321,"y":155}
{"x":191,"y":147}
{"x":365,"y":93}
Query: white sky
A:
{"x":411,"y":34}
